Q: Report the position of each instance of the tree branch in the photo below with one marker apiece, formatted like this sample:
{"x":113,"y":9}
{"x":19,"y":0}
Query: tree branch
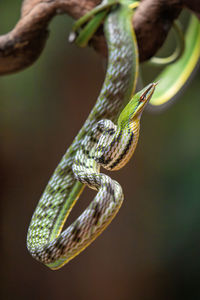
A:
{"x":23,"y":45}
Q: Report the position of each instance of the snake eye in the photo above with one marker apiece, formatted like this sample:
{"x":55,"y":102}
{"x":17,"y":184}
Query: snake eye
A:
{"x":142,"y":98}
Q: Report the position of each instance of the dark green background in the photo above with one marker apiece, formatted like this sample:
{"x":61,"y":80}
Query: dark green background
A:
{"x":151,"y":251}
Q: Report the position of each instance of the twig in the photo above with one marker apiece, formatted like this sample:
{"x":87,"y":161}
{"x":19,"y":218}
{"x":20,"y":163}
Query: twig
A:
{"x":22,"y":46}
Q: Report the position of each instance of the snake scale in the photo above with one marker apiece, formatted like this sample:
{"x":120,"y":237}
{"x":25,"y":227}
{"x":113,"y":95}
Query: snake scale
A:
{"x":100,"y":142}
{"x":45,"y":241}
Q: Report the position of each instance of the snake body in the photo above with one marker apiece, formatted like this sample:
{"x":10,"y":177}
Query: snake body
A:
{"x":100,"y":142}
{"x":175,"y":77}
{"x":45,"y":241}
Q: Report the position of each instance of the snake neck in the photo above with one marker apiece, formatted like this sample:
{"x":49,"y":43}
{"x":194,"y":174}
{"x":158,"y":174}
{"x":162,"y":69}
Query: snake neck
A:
{"x":128,"y":142}
{"x":116,"y":147}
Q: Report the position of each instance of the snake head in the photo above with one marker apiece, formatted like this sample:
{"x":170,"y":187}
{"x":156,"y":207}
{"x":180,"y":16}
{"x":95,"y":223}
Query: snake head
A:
{"x":136,"y":105}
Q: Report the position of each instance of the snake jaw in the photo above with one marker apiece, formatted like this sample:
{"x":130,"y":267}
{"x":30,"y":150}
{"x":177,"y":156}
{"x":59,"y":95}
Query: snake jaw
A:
{"x":143,"y":98}
{"x":136,"y":105}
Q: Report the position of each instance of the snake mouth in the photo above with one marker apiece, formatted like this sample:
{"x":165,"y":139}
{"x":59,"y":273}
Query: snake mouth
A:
{"x":145,"y":97}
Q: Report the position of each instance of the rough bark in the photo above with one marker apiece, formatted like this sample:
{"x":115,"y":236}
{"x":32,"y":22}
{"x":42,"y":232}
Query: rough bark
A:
{"x":22,"y":46}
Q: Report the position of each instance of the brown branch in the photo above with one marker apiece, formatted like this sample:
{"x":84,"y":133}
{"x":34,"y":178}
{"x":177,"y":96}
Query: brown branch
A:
{"x":23,"y":45}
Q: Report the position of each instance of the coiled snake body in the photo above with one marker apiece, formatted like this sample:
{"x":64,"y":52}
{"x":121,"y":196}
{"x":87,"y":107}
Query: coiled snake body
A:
{"x":44,"y":240}
{"x":99,"y":143}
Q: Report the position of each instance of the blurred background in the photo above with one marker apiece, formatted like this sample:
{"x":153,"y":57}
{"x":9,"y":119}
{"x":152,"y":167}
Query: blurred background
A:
{"x":151,"y":249}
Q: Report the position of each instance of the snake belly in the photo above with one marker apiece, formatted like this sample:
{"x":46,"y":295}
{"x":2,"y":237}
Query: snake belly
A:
{"x":45,"y":241}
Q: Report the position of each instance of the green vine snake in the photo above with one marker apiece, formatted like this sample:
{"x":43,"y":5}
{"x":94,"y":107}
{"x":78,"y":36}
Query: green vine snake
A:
{"x":99,"y":143}
{"x":175,"y":76}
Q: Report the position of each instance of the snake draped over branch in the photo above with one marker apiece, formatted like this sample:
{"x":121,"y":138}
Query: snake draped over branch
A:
{"x":107,"y":139}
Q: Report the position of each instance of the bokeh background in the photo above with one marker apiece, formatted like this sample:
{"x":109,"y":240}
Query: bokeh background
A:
{"x":151,"y":249}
